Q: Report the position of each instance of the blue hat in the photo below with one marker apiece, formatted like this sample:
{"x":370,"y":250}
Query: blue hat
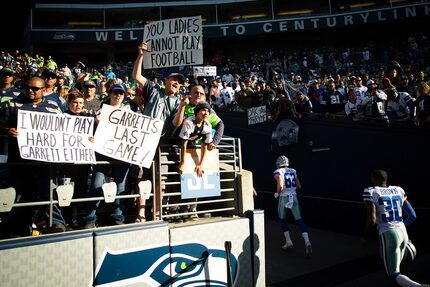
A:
{"x":117,"y":87}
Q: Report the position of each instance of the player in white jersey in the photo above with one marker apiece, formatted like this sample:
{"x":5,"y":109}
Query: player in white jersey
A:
{"x":286,"y":184}
{"x":386,"y":207}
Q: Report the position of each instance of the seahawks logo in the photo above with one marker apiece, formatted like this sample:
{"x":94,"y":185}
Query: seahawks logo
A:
{"x":189,"y":264}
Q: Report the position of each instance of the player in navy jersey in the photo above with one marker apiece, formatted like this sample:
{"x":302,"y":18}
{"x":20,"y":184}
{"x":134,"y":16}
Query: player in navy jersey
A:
{"x":386,"y":207}
{"x":286,"y":184}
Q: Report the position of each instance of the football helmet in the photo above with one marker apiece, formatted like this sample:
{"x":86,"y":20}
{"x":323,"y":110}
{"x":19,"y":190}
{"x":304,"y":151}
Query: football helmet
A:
{"x":282,"y":161}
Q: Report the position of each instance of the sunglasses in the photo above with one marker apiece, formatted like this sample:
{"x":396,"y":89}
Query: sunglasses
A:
{"x":34,"y":89}
{"x":6,"y":75}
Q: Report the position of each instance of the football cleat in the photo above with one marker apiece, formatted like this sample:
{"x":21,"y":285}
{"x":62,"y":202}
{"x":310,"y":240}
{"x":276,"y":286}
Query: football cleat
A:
{"x":308,"y":249}
{"x":288,"y":244}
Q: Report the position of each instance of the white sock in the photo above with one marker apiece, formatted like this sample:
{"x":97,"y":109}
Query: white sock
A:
{"x":193,"y":207}
{"x":404,"y":281}
{"x":306,"y":237}
{"x":287,"y":235}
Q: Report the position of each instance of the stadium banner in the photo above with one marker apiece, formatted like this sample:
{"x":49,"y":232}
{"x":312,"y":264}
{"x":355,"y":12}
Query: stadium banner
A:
{"x":257,"y":115}
{"x":55,"y":137}
{"x":293,"y":24}
{"x":173,"y":42}
{"x":204,"y":71}
{"x":127,"y":136}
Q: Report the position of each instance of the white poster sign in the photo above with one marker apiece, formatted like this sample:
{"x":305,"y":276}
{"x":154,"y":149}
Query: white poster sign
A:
{"x":209,"y":184}
{"x":204,"y":71}
{"x":55,"y":137}
{"x":257,"y":115}
{"x":127,"y":136}
{"x":173,"y":42}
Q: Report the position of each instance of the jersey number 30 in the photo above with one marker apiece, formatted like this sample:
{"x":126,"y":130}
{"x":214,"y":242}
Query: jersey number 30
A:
{"x":393,"y":208}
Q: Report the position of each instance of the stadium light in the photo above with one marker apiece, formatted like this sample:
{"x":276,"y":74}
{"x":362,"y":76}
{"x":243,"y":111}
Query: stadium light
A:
{"x":359,"y":5}
{"x":95,"y":23}
{"x":294,"y":12}
{"x":251,"y":16}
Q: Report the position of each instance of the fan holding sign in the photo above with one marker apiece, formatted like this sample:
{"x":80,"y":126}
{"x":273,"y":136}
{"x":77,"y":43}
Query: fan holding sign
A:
{"x":164,"y":105}
{"x":194,"y":128}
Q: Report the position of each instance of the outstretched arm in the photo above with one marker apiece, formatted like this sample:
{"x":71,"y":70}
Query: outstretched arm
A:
{"x":199,"y":166}
{"x":182,"y":159}
{"x":279,"y":183}
{"x":298,"y":184}
{"x":137,"y":69}
{"x":180,"y":113}
{"x":219,"y":132}
{"x":411,"y":215}
{"x":370,"y":217}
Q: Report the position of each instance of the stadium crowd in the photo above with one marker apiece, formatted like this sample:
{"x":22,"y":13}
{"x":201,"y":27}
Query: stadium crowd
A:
{"x":359,"y":83}
{"x":318,"y":81}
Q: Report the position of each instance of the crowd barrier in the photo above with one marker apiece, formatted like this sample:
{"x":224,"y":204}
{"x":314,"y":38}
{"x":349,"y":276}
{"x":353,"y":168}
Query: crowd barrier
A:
{"x":166,"y":190}
{"x":225,"y":248}
{"x":148,"y":254}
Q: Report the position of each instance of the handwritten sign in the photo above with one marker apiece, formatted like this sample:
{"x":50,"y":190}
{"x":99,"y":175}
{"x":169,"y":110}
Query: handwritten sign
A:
{"x":209,"y":184}
{"x":257,"y":115}
{"x":127,"y":136}
{"x":174,"y":42}
{"x":55,"y":137}
{"x":204,"y":71}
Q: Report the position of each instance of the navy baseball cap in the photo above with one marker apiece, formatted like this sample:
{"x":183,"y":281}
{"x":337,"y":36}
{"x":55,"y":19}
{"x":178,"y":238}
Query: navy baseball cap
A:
{"x":178,"y":76}
{"x":49,"y":72}
{"x":117,"y":87}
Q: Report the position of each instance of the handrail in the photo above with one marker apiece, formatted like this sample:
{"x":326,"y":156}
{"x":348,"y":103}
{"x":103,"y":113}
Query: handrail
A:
{"x":230,"y":157}
{"x":229,"y":153}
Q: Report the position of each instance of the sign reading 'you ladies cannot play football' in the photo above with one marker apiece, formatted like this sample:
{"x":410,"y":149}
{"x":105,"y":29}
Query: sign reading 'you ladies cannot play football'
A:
{"x":174,"y":42}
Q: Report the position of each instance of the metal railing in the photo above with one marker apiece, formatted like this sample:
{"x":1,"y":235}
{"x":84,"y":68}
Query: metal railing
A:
{"x":165,"y":193}
{"x":169,"y":190}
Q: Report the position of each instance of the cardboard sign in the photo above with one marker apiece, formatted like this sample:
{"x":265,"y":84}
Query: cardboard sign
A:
{"x":204,"y":71}
{"x":257,"y":115}
{"x":286,"y":133}
{"x":7,"y":198}
{"x":64,"y":194}
{"x":55,"y":137}
{"x":173,"y":43}
{"x":208,"y":185}
{"x":127,"y":136}
{"x":109,"y":191}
